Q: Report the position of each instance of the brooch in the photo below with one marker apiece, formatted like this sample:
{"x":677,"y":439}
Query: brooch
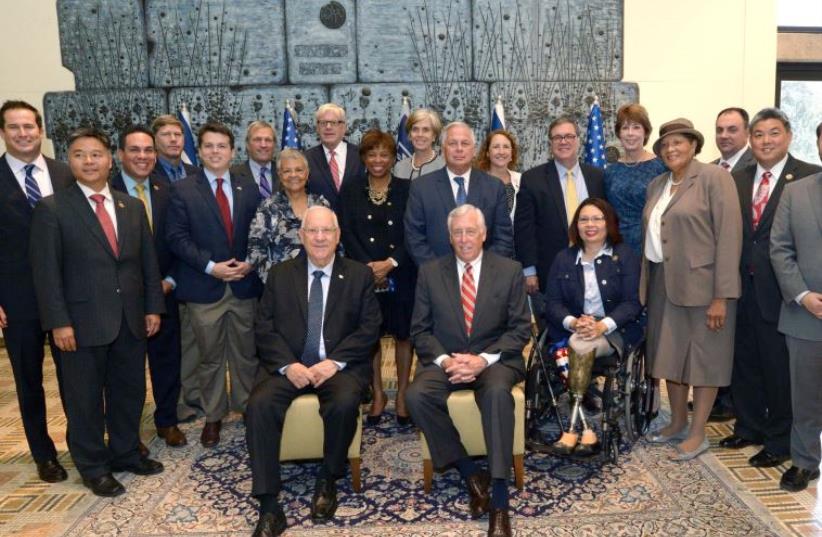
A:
{"x":789,"y":177}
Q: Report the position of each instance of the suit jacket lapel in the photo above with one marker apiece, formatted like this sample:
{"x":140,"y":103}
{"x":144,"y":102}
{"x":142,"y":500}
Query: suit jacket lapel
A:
{"x":687,"y":182}
{"x":489,"y":268}
{"x":446,"y":193}
{"x":350,"y":164}
{"x":85,"y":213}
{"x":787,"y":175}
{"x":121,"y":213}
{"x":745,"y":198}
{"x":205,"y":190}
{"x":555,"y":190}
{"x":335,"y":289}
{"x":450,"y":280}
{"x":474,"y":188}
{"x":8,"y":182}
{"x":299,"y":281}
{"x":325,"y":170}
{"x":159,"y":198}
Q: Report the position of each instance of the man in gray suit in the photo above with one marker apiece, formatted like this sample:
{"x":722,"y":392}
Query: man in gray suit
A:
{"x":469,"y":326}
{"x":796,"y":255}
{"x":732,"y":139}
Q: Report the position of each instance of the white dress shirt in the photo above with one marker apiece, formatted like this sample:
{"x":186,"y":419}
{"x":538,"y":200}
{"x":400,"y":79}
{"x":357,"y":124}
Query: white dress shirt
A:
{"x":776,"y":173}
{"x":653,"y":239}
{"x":592,"y":299}
{"x":340,"y":155}
{"x":579,"y":180}
{"x":40,"y":173}
{"x":454,"y":186}
{"x":108,"y":202}
{"x":734,"y":159}
{"x":255,"y":171}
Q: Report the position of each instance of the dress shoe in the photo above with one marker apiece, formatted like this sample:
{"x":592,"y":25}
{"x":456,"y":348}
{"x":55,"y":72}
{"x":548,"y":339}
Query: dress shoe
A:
{"x":586,"y":450}
{"x":479,"y":497}
{"x":766,"y":459}
{"x":270,"y":524}
{"x":795,"y":479}
{"x":659,"y":438}
{"x":51,"y":471}
{"x":682,"y":456}
{"x":561,"y":448}
{"x":324,"y":502}
{"x":735,"y":442}
{"x":404,"y":421}
{"x":173,"y":436}
{"x":374,"y":418}
{"x":211,"y":434}
{"x":105,"y":486}
{"x":499,"y":523}
{"x":142,"y":467}
{"x":144,"y":452}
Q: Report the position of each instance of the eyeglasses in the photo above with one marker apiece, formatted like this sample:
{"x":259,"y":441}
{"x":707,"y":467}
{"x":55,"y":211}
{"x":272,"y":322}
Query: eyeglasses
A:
{"x":318,"y":230}
{"x":591,"y":219}
{"x":331,"y":123}
{"x":557,"y":138}
{"x":470,"y":233}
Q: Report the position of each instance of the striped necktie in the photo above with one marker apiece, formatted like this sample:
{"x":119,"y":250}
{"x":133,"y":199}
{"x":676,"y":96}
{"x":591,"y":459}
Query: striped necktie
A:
{"x":32,"y":190}
{"x":468,"y":294}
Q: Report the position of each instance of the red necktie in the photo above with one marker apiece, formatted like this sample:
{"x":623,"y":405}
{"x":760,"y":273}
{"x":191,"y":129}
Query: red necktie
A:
{"x":761,"y":198}
{"x":468,"y":293}
{"x":335,"y":171}
{"x":105,"y":222}
{"x":225,"y":210}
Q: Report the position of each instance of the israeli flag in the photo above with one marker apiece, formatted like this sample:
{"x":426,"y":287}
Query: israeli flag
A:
{"x":498,"y":115}
{"x":189,"y":155}
{"x":595,"y":138}
{"x":404,"y":147}
{"x":291,"y":136}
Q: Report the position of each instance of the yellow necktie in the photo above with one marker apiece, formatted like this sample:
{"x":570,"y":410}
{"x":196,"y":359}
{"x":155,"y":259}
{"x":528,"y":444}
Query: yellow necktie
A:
{"x":571,"y":200}
{"x":141,"y":193}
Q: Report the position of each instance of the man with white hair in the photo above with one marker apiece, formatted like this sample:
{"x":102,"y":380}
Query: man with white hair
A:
{"x":433,"y":196}
{"x":334,"y":161}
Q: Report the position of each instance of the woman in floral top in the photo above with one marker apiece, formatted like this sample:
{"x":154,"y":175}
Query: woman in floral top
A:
{"x":273,"y":237}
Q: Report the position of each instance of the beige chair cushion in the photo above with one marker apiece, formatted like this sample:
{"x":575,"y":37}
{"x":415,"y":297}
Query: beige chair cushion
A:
{"x":302,"y":436}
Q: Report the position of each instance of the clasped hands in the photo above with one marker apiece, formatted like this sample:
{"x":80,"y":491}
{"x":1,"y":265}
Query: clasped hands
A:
{"x":231,"y":270}
{"x":462,"y":367}
{"x":301,"y":376}
{"x":381,"y":270}
{"x":588,"y":328}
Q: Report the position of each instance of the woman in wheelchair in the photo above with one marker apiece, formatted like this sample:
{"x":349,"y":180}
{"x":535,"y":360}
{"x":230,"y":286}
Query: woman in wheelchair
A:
{"x":592,"y":300}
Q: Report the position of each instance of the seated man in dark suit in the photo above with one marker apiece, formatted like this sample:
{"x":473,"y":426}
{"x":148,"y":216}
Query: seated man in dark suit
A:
{"x":476,"y":344}
{"x":434,"y":195}
{"x":260,"y":141}
{"x":334,"y":161}
{"x":316,"y":328}
{"x":98,"y":289}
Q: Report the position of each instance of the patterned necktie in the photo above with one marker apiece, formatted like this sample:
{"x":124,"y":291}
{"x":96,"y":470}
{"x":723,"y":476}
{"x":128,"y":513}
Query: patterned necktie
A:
{"x":462,"y":196}
{"x":468,"y":294}
{"x":265,"y":186}
{"x":32,"y":190}
{"x":571,"y":199}
{"x":761,"y":198}
{"x":141,"y":195}
{"x":725,"y":165}
{"x":105,"y":222}
{"x":335,"y":171}
{"x":314,"y":324}
{"x":225,"y":210}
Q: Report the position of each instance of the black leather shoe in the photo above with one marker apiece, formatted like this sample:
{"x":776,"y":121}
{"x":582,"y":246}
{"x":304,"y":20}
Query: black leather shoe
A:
{"x":766,"y":459}
{"x":499,"y":523}
{"x":403,"y":421}
{"x":587,"y":450}
{"x":479,"y":497}
{"x":795,"y":479}
{"x":324,"y":502}
{"x":735,"y":442}
{"x":144,"y":467}
{"x":51,"y":471}
{"x":270,"y":524}
{"x":105,"y":486}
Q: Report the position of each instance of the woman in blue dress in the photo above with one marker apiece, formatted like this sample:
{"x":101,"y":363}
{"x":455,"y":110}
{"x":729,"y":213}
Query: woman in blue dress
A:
{"x":627,"y":180}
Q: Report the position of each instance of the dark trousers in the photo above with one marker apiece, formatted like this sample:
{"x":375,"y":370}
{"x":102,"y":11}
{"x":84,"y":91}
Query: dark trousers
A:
{"x":24,"y":343}
{"x":339,"y":397}
{"x":164,"y":366}
{"x":761,"y":382}
{"x":806,"y":376}
{"x":105,"y":389}
{"x":427,"y":400}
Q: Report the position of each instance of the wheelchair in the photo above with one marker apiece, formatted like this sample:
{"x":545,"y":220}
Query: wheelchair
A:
{"x":623,"y":385}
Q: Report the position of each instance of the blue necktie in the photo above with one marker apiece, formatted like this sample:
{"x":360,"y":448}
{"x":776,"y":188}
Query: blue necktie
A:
{"x":461,"y":195}
{"x":311,"y":352}
{"x":32,"y":190}
{"x":265,"y":186}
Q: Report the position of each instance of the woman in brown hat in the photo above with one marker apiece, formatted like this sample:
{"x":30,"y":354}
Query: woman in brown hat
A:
{"x":690,"y":281}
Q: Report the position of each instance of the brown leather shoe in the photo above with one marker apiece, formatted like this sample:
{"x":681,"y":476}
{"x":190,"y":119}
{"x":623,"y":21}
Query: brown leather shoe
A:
{"x":211,"y":434}
{"x":499,"y":523}
{"x":173,"y":436}
{"x":479,"y":498}
{"x":144,"y":452}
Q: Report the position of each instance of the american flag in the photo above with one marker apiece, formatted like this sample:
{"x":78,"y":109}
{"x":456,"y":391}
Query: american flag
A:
{"x":189,"y":155}
{"x":595,"y":138}
{"x":404,"y":147}
{"x":291,"y":137}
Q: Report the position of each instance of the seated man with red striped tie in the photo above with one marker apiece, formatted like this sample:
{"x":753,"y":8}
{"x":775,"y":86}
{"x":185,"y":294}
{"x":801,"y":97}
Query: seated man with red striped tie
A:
{"x":476,"y":345}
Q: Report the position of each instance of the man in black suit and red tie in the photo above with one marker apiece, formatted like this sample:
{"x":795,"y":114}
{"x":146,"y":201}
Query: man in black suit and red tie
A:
{"x":137,"y":155}
{"x":25,"y":177}
{"x":98,"y":289}
{"x":316,"y":329}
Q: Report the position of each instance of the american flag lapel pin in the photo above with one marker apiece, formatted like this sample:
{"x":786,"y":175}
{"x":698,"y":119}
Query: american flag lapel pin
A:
{"x":121,"y":205}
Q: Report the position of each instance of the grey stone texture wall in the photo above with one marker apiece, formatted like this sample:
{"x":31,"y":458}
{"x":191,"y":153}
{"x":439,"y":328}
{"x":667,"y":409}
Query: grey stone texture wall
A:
{"x":237,"y":61}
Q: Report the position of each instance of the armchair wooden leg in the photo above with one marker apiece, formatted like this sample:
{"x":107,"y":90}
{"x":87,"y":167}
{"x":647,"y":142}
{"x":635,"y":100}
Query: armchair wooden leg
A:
{"x":519,"y":471}
{"x":356,"y":482}
{"x":427,"y":475}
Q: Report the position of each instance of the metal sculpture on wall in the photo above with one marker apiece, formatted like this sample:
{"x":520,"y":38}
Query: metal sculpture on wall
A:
{"x":236,"y":61}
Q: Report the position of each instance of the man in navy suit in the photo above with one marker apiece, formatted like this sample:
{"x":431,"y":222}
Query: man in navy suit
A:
{"x":25,"y":176}
{"x":98,"y":290}
{"x":208,"y":220}
{"x":137,"y":155}
{"x":334,"y":161}
{"x":433,"y":196}
{"x":548,"y":197}
{"x":260,"y":141}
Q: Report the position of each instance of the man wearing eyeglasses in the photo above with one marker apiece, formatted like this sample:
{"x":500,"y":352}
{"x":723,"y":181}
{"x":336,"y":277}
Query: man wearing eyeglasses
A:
{"x":548,"y":197}
{"x":208,"y":220}
{"x":334,"y":161}
{"x":316,"y":328}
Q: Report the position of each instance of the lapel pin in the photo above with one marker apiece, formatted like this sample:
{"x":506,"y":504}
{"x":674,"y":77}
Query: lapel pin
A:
{"x":789,"y":177}
{"x":340,"y":276}
{"x":239,"y":188}
{"x":156,"y":187}
{"x":121,"y":205}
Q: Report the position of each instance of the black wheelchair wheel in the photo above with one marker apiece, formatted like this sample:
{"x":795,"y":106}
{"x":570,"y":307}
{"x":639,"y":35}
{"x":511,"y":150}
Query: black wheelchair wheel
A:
{"x":637,"y":395}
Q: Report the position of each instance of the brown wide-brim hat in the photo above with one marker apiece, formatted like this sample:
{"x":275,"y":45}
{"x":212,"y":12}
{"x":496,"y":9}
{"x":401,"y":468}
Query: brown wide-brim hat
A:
{"x":679,"y":125}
